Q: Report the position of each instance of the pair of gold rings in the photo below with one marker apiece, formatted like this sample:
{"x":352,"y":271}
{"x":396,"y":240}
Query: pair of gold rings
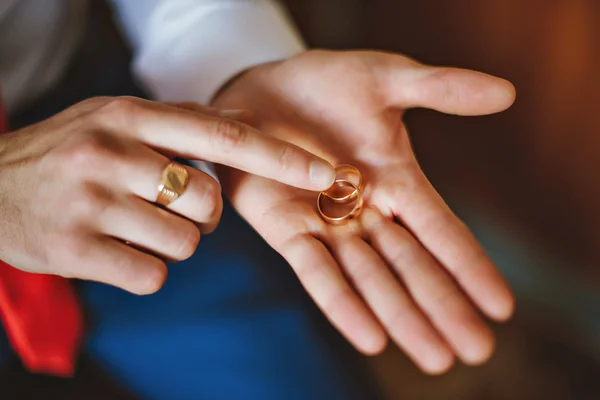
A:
{"x":344,"y":199}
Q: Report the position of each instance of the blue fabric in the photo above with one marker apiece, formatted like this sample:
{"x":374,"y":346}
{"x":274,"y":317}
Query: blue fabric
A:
{"x":231,"y":323}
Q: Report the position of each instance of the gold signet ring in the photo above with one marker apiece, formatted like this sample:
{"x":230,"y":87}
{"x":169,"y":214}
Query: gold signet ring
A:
{"x":173,"y":182}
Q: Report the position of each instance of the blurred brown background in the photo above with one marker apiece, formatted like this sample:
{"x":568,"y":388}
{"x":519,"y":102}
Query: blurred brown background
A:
{"x":527,"y":181}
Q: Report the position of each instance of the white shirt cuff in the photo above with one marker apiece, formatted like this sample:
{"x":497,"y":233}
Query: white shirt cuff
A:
{"x":186,"y":50}
{"x":191,"y":48}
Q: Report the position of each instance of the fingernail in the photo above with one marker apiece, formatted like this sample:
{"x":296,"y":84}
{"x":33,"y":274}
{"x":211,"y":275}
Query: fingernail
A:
{"x":322,"y":174}
{"x":230,"y":113}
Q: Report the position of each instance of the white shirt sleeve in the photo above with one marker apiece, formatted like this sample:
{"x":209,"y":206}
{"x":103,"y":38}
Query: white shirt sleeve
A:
{"x":185,"y":50}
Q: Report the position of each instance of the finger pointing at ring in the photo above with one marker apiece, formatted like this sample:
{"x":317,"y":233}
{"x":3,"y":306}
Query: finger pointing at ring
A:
{"x":224,"y":141}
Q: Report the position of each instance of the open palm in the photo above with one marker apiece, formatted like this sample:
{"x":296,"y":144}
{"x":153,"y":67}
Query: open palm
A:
{"x":407,"y":268}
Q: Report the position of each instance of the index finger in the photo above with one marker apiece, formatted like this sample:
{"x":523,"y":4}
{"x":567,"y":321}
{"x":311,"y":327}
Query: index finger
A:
{"x":197,"y":136}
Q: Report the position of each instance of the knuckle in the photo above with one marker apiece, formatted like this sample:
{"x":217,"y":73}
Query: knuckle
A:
{"x":74,"y":256}
{"x":92,"y":151}
{"x":211,"y":197}
{"x":307,"y":270}
{"x":400,"y":318}
{"x":90,"y":202}
{"x":446,"y":295}
{"x":366,"y":275}
{"x":287,"y":155}
{"x":229,"y":134}
{"x":449,"y":91}
{"x":122,"y":108}
{"x":94,"y":102}
{"x":85,"y":107}
{"x":190,"y":242}
{"x":90,"y":101}
{"x":122,"y":104}
{"x":404,"y":256}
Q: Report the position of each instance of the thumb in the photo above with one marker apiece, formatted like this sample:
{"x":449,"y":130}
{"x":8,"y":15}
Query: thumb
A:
{"x":448,"y":90}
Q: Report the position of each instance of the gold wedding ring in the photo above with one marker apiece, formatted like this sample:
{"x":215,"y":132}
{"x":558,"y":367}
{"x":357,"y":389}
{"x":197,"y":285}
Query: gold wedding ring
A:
{"x":347,"y":176}
{"x":347,"y":173}
{"x":173,"y":182}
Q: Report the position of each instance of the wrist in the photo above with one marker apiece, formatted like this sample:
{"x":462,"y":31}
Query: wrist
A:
{"x":227,"y":85}
{"x":243,"y":76}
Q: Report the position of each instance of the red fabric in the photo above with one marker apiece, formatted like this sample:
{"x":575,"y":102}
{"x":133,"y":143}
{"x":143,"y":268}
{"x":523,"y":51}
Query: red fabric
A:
{"x":41,"y":316}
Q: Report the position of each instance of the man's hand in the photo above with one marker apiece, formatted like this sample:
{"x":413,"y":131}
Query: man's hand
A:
{"x":75,"y":189}
{"x":408,"y":268}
